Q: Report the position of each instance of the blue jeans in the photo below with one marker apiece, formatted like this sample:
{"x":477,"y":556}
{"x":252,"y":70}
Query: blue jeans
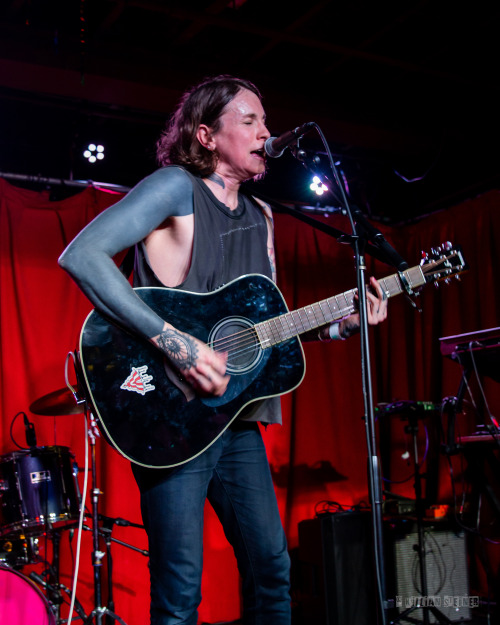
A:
{"x":234,"y":475}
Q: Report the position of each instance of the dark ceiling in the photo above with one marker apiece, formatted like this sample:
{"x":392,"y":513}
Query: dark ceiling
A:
{"x":406,"y":93}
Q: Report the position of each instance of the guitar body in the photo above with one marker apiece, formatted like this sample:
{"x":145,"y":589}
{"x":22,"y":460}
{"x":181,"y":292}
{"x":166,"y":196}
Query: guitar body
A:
{"x":156,"y":420}
{"x":144,"y":411}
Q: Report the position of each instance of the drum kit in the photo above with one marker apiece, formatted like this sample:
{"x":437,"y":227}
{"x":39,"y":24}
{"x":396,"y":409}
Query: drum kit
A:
{"x":39,"y":500}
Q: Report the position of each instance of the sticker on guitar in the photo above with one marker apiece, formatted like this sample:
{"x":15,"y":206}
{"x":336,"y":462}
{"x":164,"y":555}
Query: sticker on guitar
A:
{"x":138,"y":381}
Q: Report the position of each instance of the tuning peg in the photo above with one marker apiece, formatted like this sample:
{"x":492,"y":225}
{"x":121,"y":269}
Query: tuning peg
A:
{"x":447,"y":245}
{"x":436,"y":284}
{"x":457,"y":277}
{"x":435,"y":251}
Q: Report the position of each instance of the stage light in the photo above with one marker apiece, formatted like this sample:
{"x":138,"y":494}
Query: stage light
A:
{"x":94,"y":153}
{"x":317,"y":186}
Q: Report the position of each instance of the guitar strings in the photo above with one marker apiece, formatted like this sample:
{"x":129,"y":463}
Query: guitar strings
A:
{"x":236,"y":341}
{"x":248,"y":338}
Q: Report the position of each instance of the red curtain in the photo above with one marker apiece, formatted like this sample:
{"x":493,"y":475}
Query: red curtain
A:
{"x":318,"y":456}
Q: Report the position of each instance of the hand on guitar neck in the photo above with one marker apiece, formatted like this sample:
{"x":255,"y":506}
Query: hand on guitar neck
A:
{"x":376,"y":310}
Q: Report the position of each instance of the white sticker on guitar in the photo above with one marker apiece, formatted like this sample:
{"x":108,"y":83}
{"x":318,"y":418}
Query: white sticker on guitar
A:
{"x":138,"y":381}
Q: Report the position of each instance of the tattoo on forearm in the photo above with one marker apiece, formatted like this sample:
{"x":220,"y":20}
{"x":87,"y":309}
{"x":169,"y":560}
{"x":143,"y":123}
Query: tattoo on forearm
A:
{"x":180,"y":348}
{"x":217,"y":179}
{"x":349,"y":328}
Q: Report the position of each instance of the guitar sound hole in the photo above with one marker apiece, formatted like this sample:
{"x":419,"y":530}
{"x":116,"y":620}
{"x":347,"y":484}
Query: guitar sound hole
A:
{"x":236,"y":336}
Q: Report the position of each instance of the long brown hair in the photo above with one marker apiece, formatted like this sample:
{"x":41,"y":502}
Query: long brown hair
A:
{"x":202,"y":104}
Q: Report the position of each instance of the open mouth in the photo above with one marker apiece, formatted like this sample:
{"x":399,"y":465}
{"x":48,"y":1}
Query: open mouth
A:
{"x":260,"y":153}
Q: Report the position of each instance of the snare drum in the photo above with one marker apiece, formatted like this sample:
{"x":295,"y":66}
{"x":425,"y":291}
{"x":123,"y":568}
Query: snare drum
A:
{"x":21,"y":601}
{"x":38,"y":490}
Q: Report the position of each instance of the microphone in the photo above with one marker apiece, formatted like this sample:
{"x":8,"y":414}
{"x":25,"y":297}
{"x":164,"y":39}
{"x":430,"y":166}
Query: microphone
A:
{"x":275,"y":146}
{"x":30,"y":432}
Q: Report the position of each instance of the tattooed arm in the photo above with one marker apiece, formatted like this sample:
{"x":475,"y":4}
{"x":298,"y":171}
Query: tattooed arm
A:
{"x":89,"y":260}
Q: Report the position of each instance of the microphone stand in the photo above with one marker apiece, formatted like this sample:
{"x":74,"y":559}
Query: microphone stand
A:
{"x":365,"y":237}
{"x":374,"y":476}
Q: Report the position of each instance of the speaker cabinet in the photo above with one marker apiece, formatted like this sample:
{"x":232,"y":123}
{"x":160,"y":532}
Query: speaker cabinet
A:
{"x":336,"y":572}
{"x":445,"y":566}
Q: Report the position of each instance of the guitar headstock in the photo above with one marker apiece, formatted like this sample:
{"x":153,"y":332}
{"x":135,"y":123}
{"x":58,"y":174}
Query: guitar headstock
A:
{"x":443,"y":262}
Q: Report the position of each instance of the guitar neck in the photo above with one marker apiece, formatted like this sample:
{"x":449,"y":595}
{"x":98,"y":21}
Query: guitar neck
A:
{"x":297,"y":322}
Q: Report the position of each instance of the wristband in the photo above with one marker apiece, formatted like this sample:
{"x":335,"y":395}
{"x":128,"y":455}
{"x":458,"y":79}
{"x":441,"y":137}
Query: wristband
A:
{"x":334,"y":332}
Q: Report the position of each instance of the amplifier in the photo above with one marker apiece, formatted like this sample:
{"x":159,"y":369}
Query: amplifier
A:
{"x":445,"y":566}
{"x":336,"y":572}
{"x":336,"y":579}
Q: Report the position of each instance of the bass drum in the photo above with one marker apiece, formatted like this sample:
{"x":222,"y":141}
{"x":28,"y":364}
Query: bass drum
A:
{"x":21,"y":601}
{"x":38,"y":490}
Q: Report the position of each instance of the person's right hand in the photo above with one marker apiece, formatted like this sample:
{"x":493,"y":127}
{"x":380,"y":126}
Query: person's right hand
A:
{"x":196,"y":364}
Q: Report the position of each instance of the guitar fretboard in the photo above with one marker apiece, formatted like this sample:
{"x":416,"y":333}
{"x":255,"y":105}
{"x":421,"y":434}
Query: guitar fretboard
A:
{"x":291,"y":324}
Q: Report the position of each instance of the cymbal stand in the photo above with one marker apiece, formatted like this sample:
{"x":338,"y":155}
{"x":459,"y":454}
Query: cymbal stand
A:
{"x":53,"y":575}
{"x":105,"y":531}
{"x":412,"y":428}
{"x":97,"y":555}
{"x":54,"y":593}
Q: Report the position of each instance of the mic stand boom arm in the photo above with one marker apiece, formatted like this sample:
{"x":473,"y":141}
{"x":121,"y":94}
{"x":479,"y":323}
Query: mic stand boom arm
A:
{"x":376,"y":244}
{"x":341,"y":236}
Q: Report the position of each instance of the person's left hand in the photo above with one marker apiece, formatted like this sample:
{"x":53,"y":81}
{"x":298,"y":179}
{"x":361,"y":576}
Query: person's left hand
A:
{"x":376,"y":310}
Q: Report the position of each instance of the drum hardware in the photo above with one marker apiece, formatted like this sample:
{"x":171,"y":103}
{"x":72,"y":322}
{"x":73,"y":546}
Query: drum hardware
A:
{"x":56,"y":598}
{"x":52,"y":506}
{"x":107,"y":524}
{"x":39,"y":495}
{"x":99,"y":610}
{"x":21,"y":601}
{"x":105,"y":532}
{"x":38,"y":490}
{"x":53,"y":575}
{"x":75,"y":401}
{"x":17,"y":551}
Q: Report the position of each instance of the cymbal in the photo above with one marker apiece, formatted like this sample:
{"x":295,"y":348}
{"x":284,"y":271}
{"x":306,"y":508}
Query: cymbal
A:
{"x":61,"y":402}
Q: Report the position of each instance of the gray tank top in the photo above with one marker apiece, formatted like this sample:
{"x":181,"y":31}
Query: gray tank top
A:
{"x":227,"y":244}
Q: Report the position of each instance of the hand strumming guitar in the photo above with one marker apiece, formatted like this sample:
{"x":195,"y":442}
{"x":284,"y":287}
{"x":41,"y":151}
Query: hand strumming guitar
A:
{"x":201,"y":367}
